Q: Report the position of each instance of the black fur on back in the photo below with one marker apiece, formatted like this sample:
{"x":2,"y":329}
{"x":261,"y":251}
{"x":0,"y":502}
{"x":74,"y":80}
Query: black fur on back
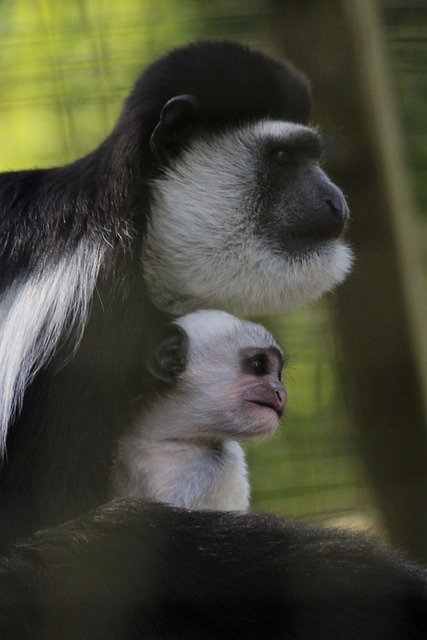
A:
{"x":129,"y":571}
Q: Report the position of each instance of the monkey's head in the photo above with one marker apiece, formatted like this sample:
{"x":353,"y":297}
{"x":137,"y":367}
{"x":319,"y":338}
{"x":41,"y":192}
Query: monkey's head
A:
{"x":242,"y":216}
{"x":222,"y":375}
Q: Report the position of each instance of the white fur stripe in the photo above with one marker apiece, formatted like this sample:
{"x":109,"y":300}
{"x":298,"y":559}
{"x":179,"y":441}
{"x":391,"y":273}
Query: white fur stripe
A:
{"x":35,"y":312}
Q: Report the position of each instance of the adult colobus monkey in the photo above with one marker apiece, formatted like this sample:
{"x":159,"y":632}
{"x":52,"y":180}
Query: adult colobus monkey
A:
{"x":207,"y":193}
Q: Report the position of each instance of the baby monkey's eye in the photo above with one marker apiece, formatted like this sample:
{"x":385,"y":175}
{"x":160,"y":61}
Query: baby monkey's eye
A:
{"x":259,"y":365}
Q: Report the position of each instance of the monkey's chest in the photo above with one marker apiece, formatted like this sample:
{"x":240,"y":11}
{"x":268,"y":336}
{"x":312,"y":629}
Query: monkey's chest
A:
{"x":225,"y":486}
{"x":184,"y":475}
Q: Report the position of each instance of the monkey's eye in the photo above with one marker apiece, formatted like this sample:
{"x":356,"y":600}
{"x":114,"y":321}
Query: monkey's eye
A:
{"x":259,"y":365}
{"x":282,"y":157}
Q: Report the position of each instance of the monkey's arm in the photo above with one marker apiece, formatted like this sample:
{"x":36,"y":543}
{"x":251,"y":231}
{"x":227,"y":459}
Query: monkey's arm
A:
{"x":136,"y":571}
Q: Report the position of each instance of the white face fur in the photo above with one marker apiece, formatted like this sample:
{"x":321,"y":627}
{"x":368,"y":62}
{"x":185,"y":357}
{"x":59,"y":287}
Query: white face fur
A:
{"x":206,"y":401}
{"x":182,"y":448}
{"x":202,"y":248}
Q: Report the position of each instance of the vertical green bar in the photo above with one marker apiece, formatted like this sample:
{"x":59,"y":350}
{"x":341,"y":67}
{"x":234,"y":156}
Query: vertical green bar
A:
{"x":378,"y":312}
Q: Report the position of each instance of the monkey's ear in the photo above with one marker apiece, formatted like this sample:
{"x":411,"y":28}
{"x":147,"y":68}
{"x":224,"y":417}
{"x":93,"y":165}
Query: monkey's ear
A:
{"x":169,"y":359}
{"x":177,"y":113}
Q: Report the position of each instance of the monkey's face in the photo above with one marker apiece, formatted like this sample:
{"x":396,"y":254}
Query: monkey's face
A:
{"x":256,"y":395}
{"x":225,"y":377}
{"x":242,"y":397}
{"x":245,"y":220}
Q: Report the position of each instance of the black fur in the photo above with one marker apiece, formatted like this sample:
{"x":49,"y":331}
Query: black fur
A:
{"x":133,"y":572}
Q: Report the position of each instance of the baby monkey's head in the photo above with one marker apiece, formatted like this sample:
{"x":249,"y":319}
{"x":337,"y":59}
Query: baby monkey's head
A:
{"x":223,"y":377}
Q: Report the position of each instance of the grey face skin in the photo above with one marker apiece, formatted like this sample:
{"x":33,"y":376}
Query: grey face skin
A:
{"x":223,"y":386}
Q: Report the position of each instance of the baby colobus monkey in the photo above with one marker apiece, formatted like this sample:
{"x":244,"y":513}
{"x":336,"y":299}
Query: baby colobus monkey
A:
{"x":222,"y":385}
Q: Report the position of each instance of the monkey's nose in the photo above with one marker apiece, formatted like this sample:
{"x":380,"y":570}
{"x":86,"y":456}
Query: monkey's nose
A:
{"x":325,"y":222}
{"x":268,"y":393}
{"x":281,"y":398}
{"x":338,"y":205}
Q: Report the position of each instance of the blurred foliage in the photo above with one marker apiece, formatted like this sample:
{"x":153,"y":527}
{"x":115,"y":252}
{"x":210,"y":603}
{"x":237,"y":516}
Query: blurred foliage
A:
{"x":311,"y":467}
{"x":65,"y":68}
{"x":406,"y":29}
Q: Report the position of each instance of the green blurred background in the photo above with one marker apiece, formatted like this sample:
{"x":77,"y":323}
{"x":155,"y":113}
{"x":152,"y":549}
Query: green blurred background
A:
{"x":65,"y":68}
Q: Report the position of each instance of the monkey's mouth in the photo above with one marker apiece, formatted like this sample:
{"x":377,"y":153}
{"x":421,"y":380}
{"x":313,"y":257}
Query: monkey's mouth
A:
{"x":270,"y":396}
{"x":302,"y":246}
{"x":323,"y":227}
{"x":269,"y":404}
